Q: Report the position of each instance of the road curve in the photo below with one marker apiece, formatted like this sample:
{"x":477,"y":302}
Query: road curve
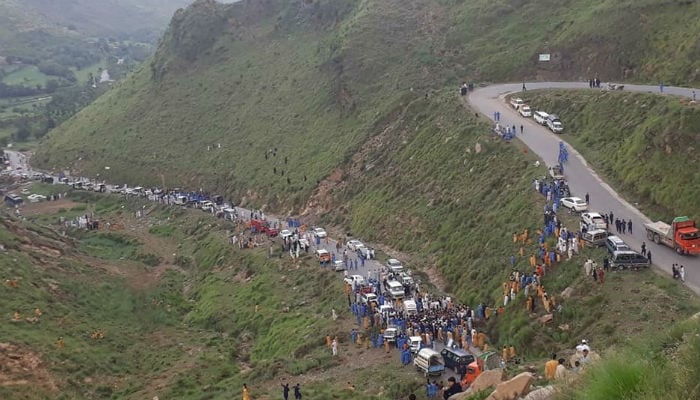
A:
{"x":582,"y":178}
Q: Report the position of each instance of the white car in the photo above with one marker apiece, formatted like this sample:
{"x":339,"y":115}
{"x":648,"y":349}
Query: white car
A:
{"x":369,"y":298}
{"x":358,"y":279}
{"x":320,"y":233}
{"x":593,"y":220}
{"x":525,"y":111}
{"x":353,"y":244}
{"x":339,"y":265}
{"x":285,"y":233}
{"x":394,"y":265}
{"x":574,"y":203}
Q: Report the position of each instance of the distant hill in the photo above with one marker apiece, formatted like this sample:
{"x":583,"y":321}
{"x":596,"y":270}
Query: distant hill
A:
{"x":116,"y":18}
{"x":103,"y":18}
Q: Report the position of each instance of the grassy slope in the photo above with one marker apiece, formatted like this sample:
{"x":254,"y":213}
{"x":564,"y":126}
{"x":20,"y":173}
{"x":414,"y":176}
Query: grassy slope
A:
{"x":202,"y":318}
{"x":643,"y":144}
{"x":313,"y":82}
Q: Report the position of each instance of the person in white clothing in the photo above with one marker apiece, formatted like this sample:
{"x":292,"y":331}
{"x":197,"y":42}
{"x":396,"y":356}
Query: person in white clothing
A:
{"x":583,"y":346}
{"x":682,"y":273}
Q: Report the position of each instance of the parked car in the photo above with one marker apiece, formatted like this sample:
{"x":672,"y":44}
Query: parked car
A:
{"x":285,"y":233}
{"x":358,"y":279}
{"x":323,"y":255}
{"x":615,"y":243}
{"x":595,"y":237}
{"x":540,"y":117}
{"x":517,"y":102}
{"x":339,"y":265}
{"x":574,"y":203}
{"x":627,"y":259}
{"x":353,"y":244}
{"x":525,"y":111}
{"x":320,"y":233}
{"x":554,"y":123}
{"x":456,"y":359}
{"x":369,"y":298}
{"x":394,"y":266}
{"x":592,"y":220}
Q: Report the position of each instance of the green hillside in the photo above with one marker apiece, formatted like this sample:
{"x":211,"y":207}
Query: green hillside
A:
{"x":644,"y":144}
{"x":313,"y":79}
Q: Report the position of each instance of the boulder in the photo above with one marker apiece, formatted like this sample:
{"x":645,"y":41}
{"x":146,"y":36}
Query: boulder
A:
{"x":544,"y":393}
{"x":546,"y":318}
{"x":488,"y":379}
{"x":516,"y":386}
{"x":567,"y":293}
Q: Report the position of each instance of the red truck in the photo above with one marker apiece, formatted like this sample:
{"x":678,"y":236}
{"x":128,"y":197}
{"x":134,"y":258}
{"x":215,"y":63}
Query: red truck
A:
{"x":263,"y":226}
{"x":682,"y":235}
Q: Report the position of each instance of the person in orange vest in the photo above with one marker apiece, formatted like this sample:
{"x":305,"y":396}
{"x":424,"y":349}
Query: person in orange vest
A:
{"x":328,"y":341}
{"x":529,"y":304}
{"x":387,"y":348}
{"x":505,"y":353}
{"x":511,"y":352}
{"x":521,"y":252}
{"x":487,"y":313}
{"x":550,"y":367}
{"x":246,"y":393}
{"x":60,"y":343}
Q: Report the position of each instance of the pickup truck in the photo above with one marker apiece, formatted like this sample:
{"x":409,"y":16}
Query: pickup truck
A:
{"x":263,"y":227}
{"x":682,"y":235}
{"x":517,"y":102}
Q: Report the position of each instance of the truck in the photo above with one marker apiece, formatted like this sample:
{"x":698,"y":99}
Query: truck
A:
{"x":429,"y":362}
{"x":516,"y":102}
{"x":682,"y":235}
{"x":485,"y":361}
{"x":263,"y":226}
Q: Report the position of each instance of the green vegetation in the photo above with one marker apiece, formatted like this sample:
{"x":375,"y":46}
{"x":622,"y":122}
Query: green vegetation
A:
{"x":315,"y":81}
{"x":644,"y":144}
{"x":342,"y":106}
{"x":664,"y":365}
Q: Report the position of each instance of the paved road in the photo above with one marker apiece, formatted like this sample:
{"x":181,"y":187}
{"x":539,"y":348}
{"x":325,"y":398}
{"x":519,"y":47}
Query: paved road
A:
{"x":582,"y":179}
{"x":17,"y":160}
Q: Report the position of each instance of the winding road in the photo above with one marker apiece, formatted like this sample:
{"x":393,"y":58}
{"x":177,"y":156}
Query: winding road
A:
{"x":582,"y":179}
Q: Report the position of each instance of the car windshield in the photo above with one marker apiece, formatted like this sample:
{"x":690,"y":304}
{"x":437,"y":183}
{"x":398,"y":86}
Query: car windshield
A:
{"x":690,"y":236}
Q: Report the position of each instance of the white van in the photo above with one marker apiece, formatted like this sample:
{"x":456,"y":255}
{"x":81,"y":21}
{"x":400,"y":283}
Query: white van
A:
{"x":410,"y":307}
{"x":540,"y":117}
{"x":415,"y":343}
{"x":525,"y":111}
{"x":394,"y":266}
{"x":396,"y":289}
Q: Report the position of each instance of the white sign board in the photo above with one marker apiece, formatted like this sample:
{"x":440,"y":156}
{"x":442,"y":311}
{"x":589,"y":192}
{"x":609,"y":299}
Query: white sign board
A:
{"x":544,"y":57}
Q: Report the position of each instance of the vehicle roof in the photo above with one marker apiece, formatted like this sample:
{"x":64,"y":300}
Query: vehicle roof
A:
{"x":592,"y":214}
{"x":596,"y":231}
{"x":458,"y":352}
{"x":619,"y":252}
{"x":615,"y":238}
{"x":426,"y":352}
{"x":541,"y":113}
{"x":323,"y":251}
{"x":393,"y":261}
{"x":415,"y":338}
{"x":572,"y":198}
